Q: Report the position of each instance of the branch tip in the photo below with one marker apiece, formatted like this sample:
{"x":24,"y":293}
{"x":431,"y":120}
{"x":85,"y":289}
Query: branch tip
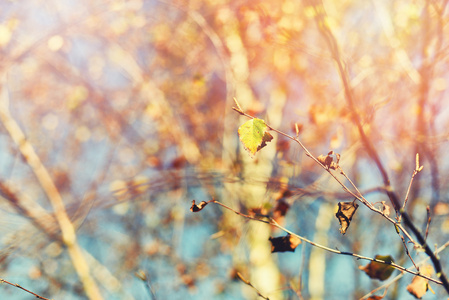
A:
{"x":239,"y":108}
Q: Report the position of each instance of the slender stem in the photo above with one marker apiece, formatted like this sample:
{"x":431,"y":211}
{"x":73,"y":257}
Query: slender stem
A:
{"x":407,"y":252}
{"x":239,"y":213}
{"x":429,"y":219}
{"x":247,"y":282}
{"x":436,"y":262}
{"x":328,"y":36}
{"x":408,"y":192}
{"x":345,"y":188}
{"x":22,"y":288}
{"x":386,"y":285}
{"x":42,"y":175}
{"x":336,"y":251}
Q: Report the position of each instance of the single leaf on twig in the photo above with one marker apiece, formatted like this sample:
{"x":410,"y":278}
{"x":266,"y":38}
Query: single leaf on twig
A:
{"x":196,"y":208}
{"x":346,"y":211}
{"x":419,"y":286}
{"x":328,"y":160}
{"x":284,"y":243}
{"x":377,"y":270}
{"x":254,"y":135}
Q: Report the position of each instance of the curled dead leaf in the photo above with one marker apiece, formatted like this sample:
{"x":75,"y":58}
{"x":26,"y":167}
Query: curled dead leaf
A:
{"x":328,"y":160}
{"x":197,"y":208}
{"x":346,"y":211}
{"x":325,"y":160}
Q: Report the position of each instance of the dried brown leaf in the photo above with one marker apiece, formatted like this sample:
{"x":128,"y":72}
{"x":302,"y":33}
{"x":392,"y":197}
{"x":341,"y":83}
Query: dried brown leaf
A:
{"x":377,"y":270}
{"x":284,"y":243}
{"x":328,"y":160}
{"x":197,"y":208}
{"x":346,"y":211}
{"x":325,"y":160}
{"x":419,"y":286}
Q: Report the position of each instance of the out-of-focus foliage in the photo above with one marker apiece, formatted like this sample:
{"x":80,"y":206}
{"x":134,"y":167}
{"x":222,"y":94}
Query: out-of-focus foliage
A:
{"x":128,"y":105}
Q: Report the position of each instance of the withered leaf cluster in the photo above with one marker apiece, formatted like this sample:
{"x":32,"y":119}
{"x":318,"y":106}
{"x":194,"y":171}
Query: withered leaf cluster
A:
{"x":328,"y":160}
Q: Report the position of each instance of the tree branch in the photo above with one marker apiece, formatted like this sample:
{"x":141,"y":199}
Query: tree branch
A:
{"x":22,"y":288}
{"x":43,"y":177}
{"x":272,"y":222}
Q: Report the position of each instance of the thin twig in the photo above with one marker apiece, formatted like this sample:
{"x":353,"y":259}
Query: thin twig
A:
{"x":407,"y":220}
{"x":239,"y":213}
{"x":22,"y":288}
{"x":247,"y":282}
{"x":296,"y":291}
{"x":429,"y":219}
{"x":417,"y":169}
{"x":146,"y":279}
{"x":350,"y":181}
{"x":345,"y":188}
{"x":399,"y":276}
{"x":48,"y":186}
{"x":275,"y":224}
{"x":407,"y":252}
{"x":435,"y":260}
{"x":328,"y":36}
{"x":408,"y":191}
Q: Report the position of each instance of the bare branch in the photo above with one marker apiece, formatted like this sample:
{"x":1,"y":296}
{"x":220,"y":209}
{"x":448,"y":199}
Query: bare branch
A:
{"x":247,"y":282}
{"x":22,"y":288}
{"x":335,"y":251}
{"x":48,"y":186}
{"x":393,"y":280}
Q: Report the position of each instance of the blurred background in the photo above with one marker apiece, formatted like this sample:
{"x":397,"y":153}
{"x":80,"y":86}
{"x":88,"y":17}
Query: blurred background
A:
{"x":128,"y":106}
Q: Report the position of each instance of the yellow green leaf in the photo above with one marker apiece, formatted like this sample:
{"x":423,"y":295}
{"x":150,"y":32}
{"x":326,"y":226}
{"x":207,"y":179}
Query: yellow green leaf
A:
{"x":254,"y":135}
